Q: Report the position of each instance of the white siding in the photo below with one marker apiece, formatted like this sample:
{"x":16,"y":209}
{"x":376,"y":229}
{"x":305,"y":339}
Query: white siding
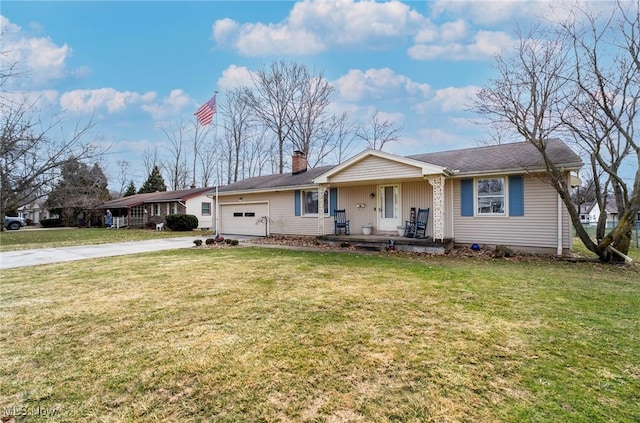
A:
{"x":373,"y":168}
{"x":194,"y":207}
{"x":282,"y":218}
{"x":537,"y":228}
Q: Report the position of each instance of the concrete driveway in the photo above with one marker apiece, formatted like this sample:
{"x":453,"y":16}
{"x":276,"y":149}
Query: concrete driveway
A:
{"x":23,"y":258}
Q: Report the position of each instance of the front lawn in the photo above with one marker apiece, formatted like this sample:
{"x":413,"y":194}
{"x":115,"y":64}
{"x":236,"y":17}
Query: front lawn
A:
{"x":256,"y":334}
{"x":26,"y":239}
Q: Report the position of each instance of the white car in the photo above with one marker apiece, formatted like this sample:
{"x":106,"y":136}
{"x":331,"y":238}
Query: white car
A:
{"x":14,"y":223}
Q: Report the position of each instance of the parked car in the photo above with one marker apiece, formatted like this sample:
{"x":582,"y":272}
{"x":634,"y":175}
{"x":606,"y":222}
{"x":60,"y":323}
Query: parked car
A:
{"x":14,"y":223}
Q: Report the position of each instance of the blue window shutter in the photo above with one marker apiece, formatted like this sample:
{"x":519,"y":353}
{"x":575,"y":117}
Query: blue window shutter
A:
{"x":333,"y":200}
{"x":296,"y":201}
{"x":516,"y":195}
{"x":466,"y":197}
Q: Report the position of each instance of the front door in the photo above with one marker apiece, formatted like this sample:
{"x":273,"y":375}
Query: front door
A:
{"x":389,"y":216}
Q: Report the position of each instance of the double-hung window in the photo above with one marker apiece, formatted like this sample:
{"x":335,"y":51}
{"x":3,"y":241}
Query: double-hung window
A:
{"x":490,"y":196}
{"x":205,"y":209}
{"x":310,"y":202}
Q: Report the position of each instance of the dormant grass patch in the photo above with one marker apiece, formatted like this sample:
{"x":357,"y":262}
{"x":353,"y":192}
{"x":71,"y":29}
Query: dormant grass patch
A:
{"x":257,"y":334}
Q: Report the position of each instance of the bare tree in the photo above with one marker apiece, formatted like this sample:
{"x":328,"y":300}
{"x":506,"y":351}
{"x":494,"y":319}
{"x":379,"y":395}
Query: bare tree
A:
{"x":208,"y":158}
{"x":200,"y":135}
{"x":271,"y":98}
{"x":150,"y":159}
{"x":176,"y":166}
{"x":238,"y":123}
{"x":581,"y":82}
{"x":378,"y":132}
{"x":308,"y":113}
{"x":33,"y":147}
{"x":122,"y":177}
{"x":338,"y":139}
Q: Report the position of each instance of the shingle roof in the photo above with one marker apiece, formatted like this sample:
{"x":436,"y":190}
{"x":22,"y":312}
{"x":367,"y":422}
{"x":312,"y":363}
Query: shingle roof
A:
{"x":502,"y":158}
{"x":284,"y":180}
{"x":495,"y":158}
{"x":154,"y":197}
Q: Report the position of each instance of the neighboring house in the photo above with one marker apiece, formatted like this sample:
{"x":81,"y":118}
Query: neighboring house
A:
{"x":137,"y":210}
{"x":590,"y":213}
{"x":487,"y":195}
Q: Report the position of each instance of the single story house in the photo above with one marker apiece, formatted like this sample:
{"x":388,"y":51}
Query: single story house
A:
{"x":142,"y":209}
{"x":492,"y":195}
{"x":590,"y":213}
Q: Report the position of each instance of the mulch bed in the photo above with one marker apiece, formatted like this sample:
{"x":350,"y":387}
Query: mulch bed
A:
{"x":312,"y":242}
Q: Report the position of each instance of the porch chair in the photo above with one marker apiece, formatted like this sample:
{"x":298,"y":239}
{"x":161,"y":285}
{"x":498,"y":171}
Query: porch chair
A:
{"x":159,"y":226}
{"x":410,"y":225}
{"x":340,"y":222}
{"x":419,"y":229}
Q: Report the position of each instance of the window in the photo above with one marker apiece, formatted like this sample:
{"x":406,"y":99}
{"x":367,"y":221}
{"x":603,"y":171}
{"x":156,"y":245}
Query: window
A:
{"x":249,"y":214}
{"x":237,"y":214}
{"x":490,"y":196}
{"x":206,"y":209}
{"x":310,"y":202}
{"x":502,"y":196}
{"x":156,"y":210}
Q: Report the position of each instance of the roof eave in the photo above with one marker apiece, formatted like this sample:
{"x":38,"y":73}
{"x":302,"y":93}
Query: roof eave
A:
{"x":567,"y":167}
{"x":262,"y":190}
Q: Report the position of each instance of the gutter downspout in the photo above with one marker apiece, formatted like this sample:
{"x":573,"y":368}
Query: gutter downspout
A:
{"x":559,"y":249}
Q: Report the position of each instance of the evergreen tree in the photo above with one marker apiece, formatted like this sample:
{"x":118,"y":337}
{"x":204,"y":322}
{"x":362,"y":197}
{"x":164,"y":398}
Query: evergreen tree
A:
{"x":154,"y":182}
{"x":131,"y":190}
{"x":79,"y":189}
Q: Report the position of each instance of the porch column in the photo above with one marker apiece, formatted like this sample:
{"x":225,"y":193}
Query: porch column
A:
{"x":437,"y":182}
{"x":321,"y":190}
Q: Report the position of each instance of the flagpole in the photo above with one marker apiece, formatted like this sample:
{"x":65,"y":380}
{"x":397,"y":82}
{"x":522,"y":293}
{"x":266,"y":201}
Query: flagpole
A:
{"x":215,"y":93}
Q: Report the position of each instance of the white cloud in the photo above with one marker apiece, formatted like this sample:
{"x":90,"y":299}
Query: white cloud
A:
{"x":39,"y":57}
{"x":454,"y":98}
{"x":315,"y":26}
{"x":103,"y":98}
{"x":483,"y":44}
{"x":234,"y":77}
{"x":450,"y":99}
{"x":493,"y":12}
{"x":357,"y":85}
{"x":177,"y":101}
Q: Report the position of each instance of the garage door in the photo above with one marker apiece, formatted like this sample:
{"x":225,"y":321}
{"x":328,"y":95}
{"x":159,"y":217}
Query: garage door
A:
{"x":241,"y":218}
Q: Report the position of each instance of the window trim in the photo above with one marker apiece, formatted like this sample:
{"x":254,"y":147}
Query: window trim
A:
{"x":202,"y":212}
{"x":303,"y":195}
{"x":505,"y":197}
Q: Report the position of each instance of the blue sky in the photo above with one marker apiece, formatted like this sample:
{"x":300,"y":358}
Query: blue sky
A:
{"x":135,"y":66}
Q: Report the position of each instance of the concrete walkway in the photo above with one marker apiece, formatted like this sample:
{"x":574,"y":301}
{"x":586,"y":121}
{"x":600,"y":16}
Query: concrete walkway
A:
{"x":23,"y":258}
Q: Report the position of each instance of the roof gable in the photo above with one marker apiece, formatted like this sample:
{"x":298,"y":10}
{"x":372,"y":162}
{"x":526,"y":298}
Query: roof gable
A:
{"x":375,"y":164}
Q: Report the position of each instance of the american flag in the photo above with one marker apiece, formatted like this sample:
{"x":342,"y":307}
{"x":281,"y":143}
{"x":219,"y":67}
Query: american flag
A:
{"x":206,"y":111}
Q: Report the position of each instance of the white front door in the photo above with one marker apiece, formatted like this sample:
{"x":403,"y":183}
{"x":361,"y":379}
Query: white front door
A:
{"x":389,"y":216}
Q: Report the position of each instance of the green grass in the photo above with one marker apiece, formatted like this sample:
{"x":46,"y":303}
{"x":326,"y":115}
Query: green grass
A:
{"x":253,"y":334}
{"x":25,"y":239}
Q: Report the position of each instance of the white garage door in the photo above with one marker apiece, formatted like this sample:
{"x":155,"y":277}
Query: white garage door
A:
{"x":241,"y":218}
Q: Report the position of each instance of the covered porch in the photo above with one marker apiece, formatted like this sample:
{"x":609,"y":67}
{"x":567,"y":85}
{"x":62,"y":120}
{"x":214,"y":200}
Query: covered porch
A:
{"x":380,"y":192}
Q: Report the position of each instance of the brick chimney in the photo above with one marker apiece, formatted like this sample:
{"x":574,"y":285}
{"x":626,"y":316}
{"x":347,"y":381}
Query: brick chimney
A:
{"x":298,"y":162}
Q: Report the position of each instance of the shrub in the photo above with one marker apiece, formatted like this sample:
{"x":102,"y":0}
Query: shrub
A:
{"x":198,"y":242}
{"x":234,"y":242}
{"x":210,"y":241}
{"x":51,"y":223}
{"x":181,"y":222}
